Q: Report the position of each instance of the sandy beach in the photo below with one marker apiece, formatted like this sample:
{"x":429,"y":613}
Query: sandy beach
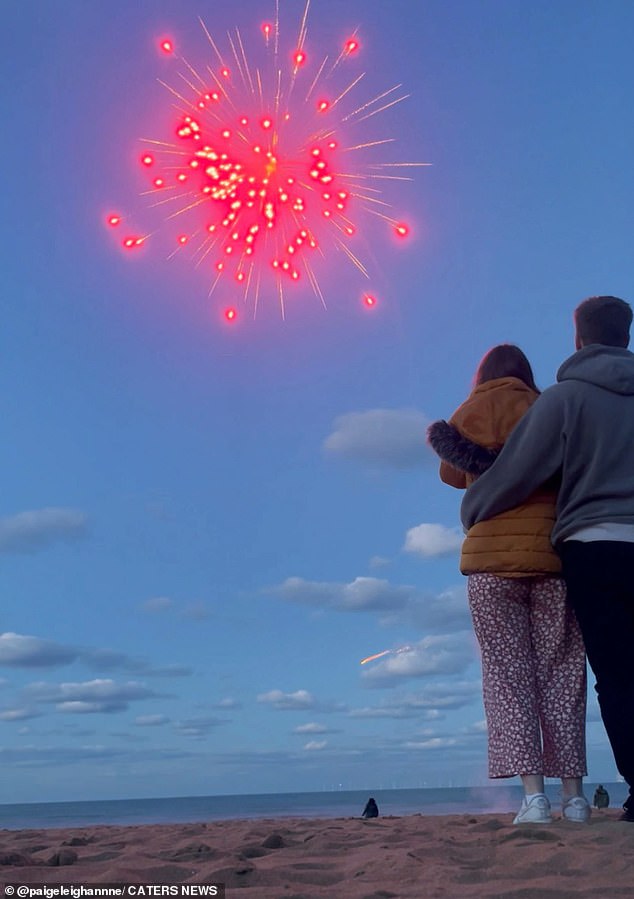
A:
{"x":423,"y":857}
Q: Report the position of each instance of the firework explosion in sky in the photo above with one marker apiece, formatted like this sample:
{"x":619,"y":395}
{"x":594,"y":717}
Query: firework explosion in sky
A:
{"x":262,"y":176}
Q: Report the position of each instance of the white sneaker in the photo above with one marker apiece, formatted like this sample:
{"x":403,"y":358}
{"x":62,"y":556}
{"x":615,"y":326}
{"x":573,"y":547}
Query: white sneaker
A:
{"x":577,"y":808}
{"x":537,"y":811}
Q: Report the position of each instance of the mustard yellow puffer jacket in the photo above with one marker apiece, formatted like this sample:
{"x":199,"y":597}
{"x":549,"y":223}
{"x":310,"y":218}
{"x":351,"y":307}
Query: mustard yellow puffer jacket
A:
{"x":515,"y":543}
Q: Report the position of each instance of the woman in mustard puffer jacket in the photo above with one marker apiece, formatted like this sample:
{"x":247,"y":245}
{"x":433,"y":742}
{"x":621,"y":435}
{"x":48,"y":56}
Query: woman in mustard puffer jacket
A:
{"x":533,"y":658}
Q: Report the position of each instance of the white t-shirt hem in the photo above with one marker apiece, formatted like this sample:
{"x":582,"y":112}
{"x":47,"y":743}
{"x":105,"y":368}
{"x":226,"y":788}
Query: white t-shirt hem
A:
{"x":608,"y":530}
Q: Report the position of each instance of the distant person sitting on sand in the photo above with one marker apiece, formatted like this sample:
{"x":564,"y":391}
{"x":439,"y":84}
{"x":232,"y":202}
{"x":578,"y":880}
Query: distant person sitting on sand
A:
{"x":601,"y":797}
{"x":371,"y":809}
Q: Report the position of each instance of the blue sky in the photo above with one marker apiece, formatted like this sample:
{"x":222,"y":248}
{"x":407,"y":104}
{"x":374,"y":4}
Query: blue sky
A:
{"x":204,"y":528}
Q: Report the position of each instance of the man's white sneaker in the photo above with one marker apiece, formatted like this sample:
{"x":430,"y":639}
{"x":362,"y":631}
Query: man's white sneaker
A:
{"x":577,"y":808}
{"x":537,"y":811}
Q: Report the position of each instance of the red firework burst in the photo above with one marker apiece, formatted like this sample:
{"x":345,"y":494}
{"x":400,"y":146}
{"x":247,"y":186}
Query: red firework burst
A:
{"x":261,"y":170}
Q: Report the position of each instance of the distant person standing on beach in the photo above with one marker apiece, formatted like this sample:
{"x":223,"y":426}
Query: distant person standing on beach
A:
{"x":601,"y":797}
{"x":533,"y":659}
{"x":582,"y":430}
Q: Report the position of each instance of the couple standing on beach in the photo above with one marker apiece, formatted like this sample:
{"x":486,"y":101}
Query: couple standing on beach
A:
{"x":549,"y":553}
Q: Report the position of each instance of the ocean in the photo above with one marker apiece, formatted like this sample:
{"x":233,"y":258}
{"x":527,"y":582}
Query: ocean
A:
{"x":335,"y":804}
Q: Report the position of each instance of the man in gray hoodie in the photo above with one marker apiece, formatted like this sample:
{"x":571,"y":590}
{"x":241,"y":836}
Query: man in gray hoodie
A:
{"x":581,"y":432}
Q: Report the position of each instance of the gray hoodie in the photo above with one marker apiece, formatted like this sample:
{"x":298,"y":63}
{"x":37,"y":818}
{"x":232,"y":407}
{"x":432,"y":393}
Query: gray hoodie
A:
{"x":581,"y":430}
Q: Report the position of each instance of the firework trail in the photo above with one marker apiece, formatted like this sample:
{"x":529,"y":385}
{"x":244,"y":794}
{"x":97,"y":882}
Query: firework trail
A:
{"x":386,"y":652}
{"x":261,"y":174}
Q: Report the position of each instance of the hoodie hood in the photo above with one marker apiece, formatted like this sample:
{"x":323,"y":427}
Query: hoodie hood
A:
{"x":611,"y":368}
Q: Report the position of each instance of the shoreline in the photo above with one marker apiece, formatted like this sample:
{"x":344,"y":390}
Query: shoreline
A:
{"x":483,"y":856}
{"x":494,"y":798}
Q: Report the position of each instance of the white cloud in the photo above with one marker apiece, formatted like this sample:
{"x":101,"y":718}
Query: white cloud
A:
{"x":431,"y":743}
{"x":18,"y":714}
{"x":49,"y":757}
{"x":433,"y":540}
{"x":442,"y":654}
{"x":109,"y":660}
{"x":379,"y":562}
{"x":428,"y":703}
{"x":394,"y":438}
{"x":83,"y":707}
{"x":197,"y":611}
{"x":194,"y":611}
{"x":171,"y":670}
{"x":24,"y":651}
{"x":444,"y":612}
{"x":106,"y":660}
{"x":311,"y":728}
{"x":157,"y":604}
{"x":397,"y":712}
{"x":445,"y":695}
{"x":198,"y":727}
{"x":361,"y":594}
{"x":315,"y":745}
{"x":37,"y":529}
{"x":151,"y":720}
{"x":101,"y":695}
{"x":478,"y":727}
{"x":228,"y":703}
{"x":402,"y":604}
{"x":299,"y":700}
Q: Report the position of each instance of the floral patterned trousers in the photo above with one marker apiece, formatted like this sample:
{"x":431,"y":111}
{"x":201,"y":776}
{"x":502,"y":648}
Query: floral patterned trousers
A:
{"x":533,"y":675}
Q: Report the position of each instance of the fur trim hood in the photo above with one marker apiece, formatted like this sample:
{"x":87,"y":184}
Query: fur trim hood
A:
{"x":458,"y":451}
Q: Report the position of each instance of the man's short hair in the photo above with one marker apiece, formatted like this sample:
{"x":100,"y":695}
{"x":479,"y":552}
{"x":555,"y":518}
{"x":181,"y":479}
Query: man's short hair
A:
{"x":604,"y":320}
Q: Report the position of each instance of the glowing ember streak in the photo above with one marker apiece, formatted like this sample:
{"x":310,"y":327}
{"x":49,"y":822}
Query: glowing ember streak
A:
{"x":261,"y":168}
{"x":132,"y":242}
{"x":386,"y":652}
{"x":377,"y":655}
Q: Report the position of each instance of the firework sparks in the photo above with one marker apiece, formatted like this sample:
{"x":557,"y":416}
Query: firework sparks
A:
{"x":254,"y":173}
{"x":386,"y":652}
